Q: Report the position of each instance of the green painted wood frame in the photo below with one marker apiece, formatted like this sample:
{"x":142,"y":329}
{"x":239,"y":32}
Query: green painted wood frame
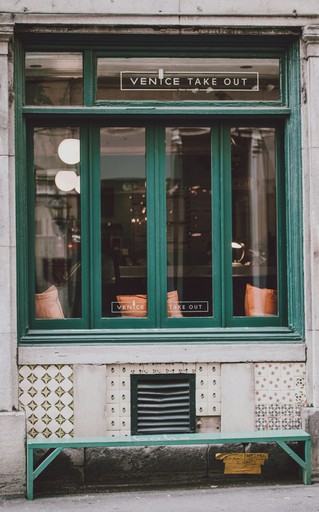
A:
{"x":285,"y":115}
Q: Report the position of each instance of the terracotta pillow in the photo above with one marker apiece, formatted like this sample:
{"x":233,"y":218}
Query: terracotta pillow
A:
{"x":172,"y":305}
{"x":47,"y":304}
{"x":136,"y":305}
{"x":260,"y":301}
{"x":133,"y":305}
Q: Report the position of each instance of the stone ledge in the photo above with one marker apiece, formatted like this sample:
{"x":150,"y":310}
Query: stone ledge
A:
{"x":310,"y":34}
{"x":161,"y":353}
{"x":310,"y":423}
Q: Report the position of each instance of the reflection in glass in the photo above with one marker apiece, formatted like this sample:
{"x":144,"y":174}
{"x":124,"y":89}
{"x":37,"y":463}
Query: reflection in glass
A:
{"x":53,"y":78}
{"x":123,"y":222}
{"x":189,"y":228}
{"x":254,"y":231}
{"x":187,"y":79}
{"x":57,"y":242}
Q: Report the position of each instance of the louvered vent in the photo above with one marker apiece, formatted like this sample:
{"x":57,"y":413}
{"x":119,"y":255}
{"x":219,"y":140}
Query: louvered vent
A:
{"x":163,"y":404}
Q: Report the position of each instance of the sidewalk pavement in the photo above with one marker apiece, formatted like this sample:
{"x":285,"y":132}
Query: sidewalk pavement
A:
{"x":261,"y":498}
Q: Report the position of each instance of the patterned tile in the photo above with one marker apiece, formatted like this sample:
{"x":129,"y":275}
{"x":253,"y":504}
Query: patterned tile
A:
{"x":118,"y":394}
{"x":280,"y":392}
{"x":46,"y":394}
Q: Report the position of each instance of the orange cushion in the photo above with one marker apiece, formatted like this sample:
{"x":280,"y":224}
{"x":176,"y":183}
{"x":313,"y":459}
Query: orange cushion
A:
{"x":47,"y":304}
{"x":172,"y":305}
{"x":260,"y":301}
{"x":133,"y":305}
{"x":136,"y":305}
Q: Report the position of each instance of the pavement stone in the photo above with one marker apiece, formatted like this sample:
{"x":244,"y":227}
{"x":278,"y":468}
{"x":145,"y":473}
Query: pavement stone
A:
{"x":265,"y":498}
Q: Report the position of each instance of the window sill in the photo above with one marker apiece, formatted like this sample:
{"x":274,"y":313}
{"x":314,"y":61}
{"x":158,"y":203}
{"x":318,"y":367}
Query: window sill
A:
{"x":161,"y":353}
{"x":193,"y":345}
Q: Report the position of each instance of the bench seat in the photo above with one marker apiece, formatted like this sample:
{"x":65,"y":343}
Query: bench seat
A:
{"x":280,"y":437}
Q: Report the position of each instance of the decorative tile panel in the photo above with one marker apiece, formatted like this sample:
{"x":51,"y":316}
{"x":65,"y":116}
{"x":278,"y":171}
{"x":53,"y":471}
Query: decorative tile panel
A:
{"x":118,"y":394}
{"x":280,"y":393}
{"x":46,"y":393}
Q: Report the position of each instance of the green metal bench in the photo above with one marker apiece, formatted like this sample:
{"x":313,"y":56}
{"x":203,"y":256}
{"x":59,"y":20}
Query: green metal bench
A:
{"x":55,"y":446}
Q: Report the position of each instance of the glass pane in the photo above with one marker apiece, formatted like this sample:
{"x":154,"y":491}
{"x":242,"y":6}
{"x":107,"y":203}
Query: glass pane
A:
{"x":254,"y":212}
{"x":57,"y":227}
{"x":189,"y":224}
{"x":192,"y":79}
{"x":123,"y":222}
{"x":53,"y":78}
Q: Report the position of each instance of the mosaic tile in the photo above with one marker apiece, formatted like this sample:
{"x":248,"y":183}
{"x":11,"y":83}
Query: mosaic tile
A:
{"x":113,"y":424}
{"x":261,"y":409}
{"x":189,"y":368}
{"x":124,"y":370}
{"x":113,"y":383}
{"x":125,"y":423}
{"x":124,"y":409}
{"x":155,"y":368}
{"x":202,"y":382}
{"x":46,"y":394}
{"x":112,"y":410}
{"x":280,"y":392}
{"x":213,"y":408}
{"x":112,"y":396}
{"x":113,"y":370}
{"x":201,"y":408}
{"x":125,"y":397}
{"x":125,"y":383}
{"x":213,"y":369}
{"x":118,"y":383}
{"x":201,"y":369}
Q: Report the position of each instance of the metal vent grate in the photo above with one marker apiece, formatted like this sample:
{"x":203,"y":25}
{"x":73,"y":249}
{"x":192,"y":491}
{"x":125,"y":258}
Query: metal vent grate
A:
{"x":163,"y":404}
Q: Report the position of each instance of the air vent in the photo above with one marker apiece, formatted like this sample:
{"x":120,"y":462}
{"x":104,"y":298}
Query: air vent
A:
{"x":163,"y":404}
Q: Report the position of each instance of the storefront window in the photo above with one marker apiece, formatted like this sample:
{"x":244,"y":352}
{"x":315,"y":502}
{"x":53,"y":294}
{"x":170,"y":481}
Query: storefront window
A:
{"x":57,"y":226}
{"x":254,"y":219}
{"x":186,"y":222}
{"x":182,"y":192}
{"x":189,"y":221}
{"x":123,"y":222}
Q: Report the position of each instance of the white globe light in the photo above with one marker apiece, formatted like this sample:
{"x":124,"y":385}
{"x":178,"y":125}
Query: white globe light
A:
{"x":66,"y":180}
{"x":77,"y":185}
{"x":69,"y":151}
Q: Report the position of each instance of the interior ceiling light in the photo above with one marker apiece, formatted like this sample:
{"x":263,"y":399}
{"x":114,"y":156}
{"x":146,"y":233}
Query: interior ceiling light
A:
{"x":66,"y":180}
{"x":69,"y":151}
{"x":77,"y":185}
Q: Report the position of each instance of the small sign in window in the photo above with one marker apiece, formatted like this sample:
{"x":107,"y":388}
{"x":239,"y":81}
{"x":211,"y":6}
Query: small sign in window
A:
{"x":187,"y":78}
{"x":186,"y":81}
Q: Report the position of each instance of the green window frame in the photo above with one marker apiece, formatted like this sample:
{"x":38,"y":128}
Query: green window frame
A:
{"x":284,"y":116}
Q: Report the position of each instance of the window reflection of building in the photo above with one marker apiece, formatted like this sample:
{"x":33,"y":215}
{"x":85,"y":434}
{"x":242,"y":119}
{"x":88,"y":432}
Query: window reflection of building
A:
{"x":188,"y":206}
{"x":123,"y":214}
{"x":254,"y":209}
{"x":57,"y":223}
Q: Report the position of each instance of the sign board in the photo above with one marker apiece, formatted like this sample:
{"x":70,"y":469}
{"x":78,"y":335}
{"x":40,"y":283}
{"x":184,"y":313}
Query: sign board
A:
{"x":188,"y":81}
{"x":242,"y":463}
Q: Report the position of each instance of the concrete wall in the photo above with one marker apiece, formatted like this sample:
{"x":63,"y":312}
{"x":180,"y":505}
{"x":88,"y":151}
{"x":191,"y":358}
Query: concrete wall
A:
{"x":238,"y":363}
{"x":12,"y":424}
{"x":231,"y":8}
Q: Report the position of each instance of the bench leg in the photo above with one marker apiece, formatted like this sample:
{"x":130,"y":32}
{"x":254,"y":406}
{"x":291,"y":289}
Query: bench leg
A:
{"x":306,"y":472}
{"x":30,"y":474}
{"x":305,"y":464}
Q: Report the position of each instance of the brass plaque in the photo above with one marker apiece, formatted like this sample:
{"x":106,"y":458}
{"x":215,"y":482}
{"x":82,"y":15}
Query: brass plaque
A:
{"x":242,"y":463}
